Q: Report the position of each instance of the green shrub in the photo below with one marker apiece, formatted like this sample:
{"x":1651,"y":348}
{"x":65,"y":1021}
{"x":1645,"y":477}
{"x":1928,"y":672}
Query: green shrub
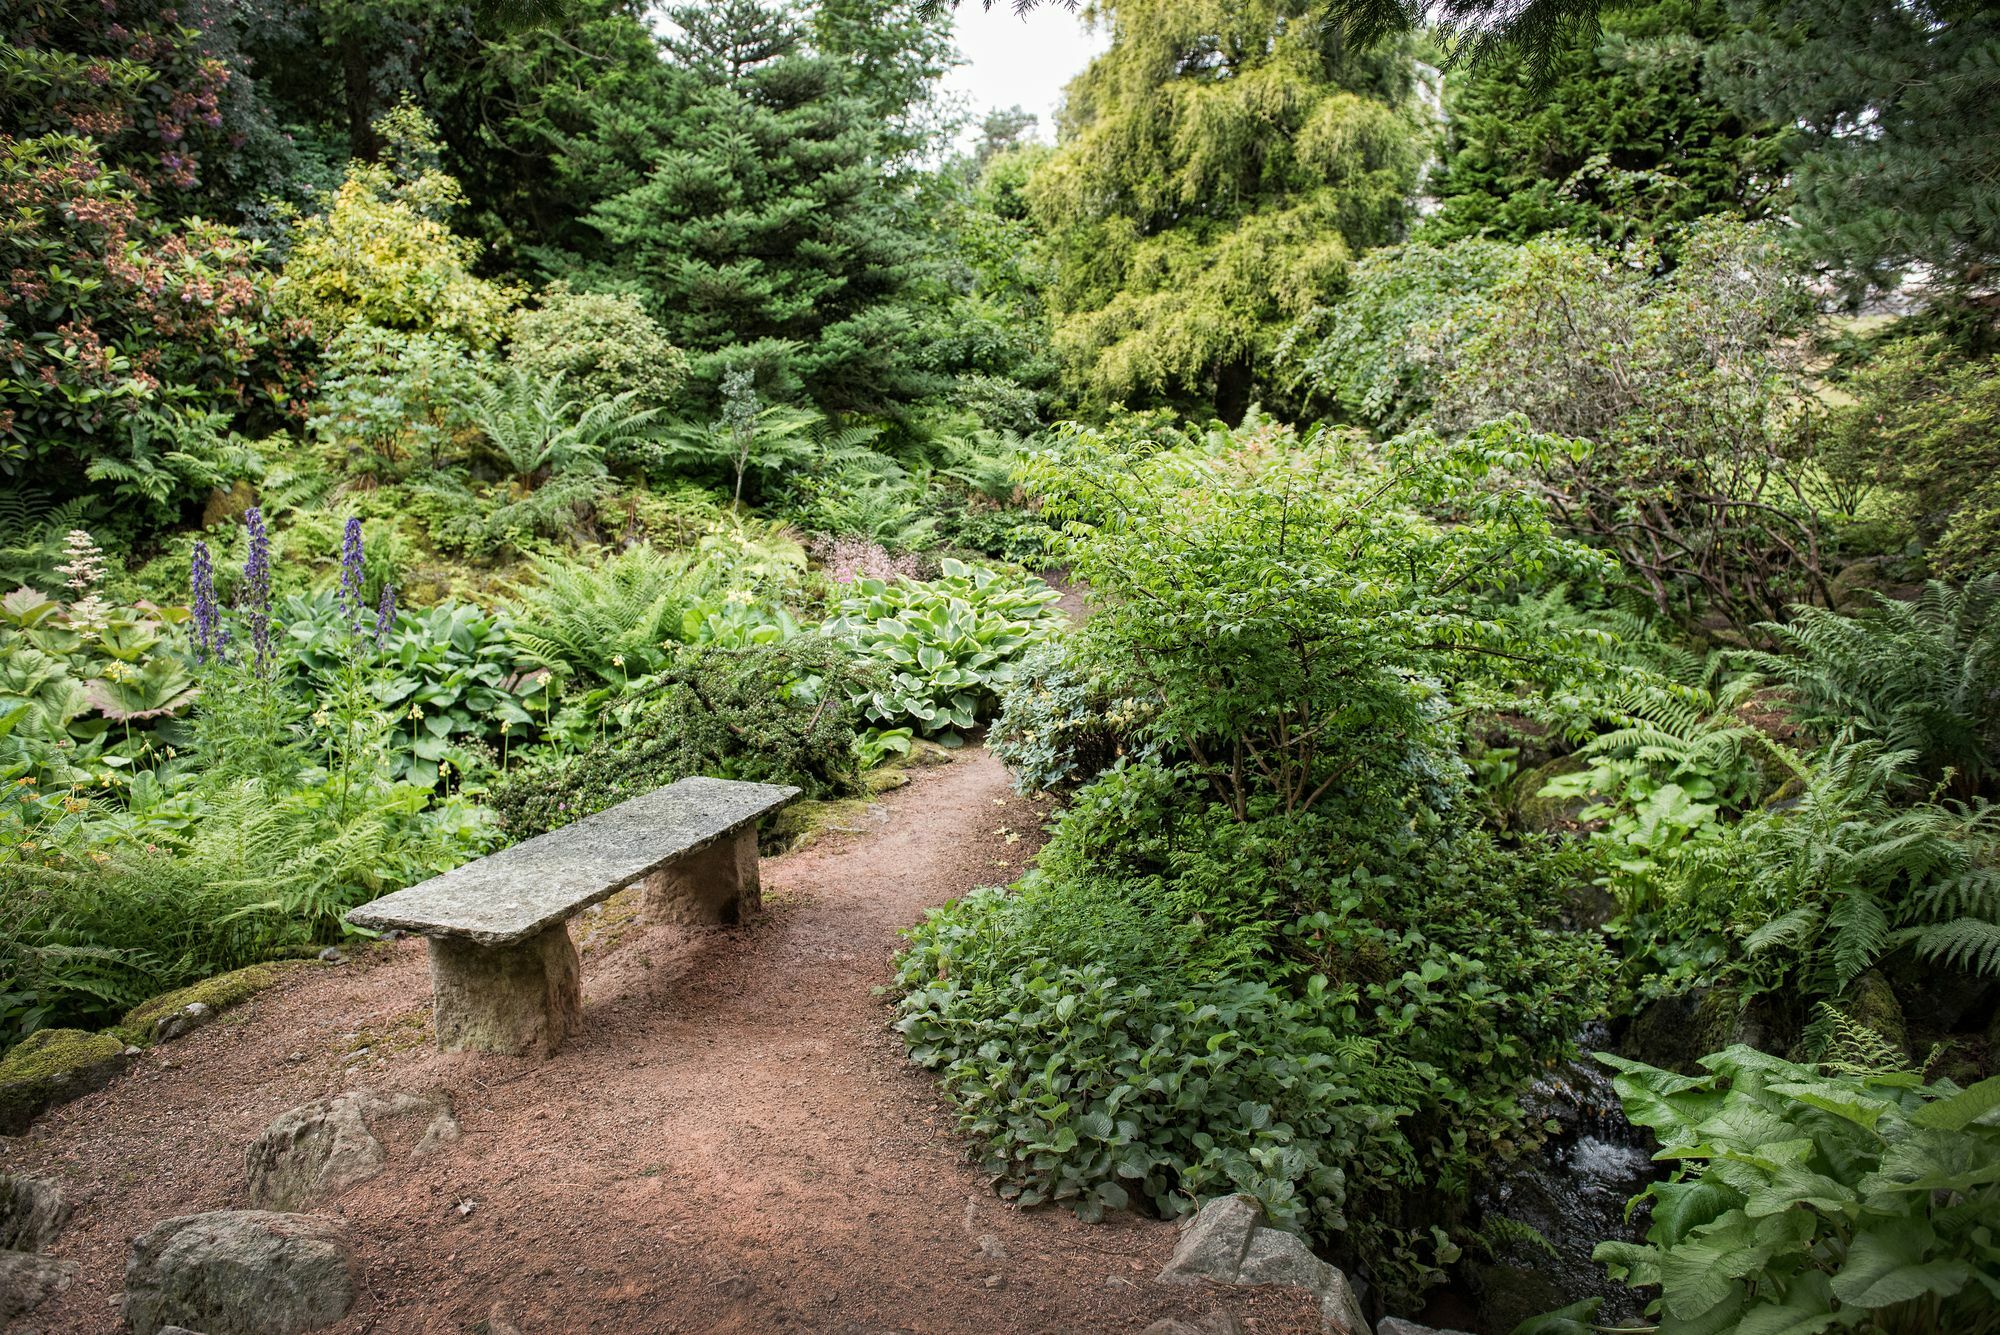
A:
{"x":947,"y":645}
{"x":1922,"y":423}
{"x":1087,"y":1090}
{"x":602,"y":345}
{"x":1805,"y":1202}
{"x":392,"y":402}
{"x":1332,"y":1013}
{"x":776,"y":713}
{"x":382,"y":253}
{"x":1062,"y":721}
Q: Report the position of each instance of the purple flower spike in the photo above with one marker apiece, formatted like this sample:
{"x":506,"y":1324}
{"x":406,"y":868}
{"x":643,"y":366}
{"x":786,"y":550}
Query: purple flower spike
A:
{"x":351,"y":575}
{"x":207,"y":616}
{"x":254,"y":602}
{"x":385,"y":614}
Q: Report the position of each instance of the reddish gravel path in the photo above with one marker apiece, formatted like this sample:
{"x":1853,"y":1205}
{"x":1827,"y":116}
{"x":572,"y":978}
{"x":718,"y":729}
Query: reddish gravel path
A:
{"x":733,"y":1144}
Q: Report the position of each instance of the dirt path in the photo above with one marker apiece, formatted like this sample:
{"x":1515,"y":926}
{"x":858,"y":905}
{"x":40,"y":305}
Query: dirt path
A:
{"x":734,"y":1143}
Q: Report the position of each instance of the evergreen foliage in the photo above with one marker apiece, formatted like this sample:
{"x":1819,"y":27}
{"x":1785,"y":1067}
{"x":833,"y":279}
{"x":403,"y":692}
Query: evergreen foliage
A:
{"x":1627,"y":137}
{"x":759,"y":226}
{"x":1220,"y":167}
{"x":1898,"y":146}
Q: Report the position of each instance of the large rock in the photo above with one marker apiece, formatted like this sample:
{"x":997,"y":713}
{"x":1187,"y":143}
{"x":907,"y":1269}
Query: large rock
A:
{"x":323,"y":1147}
{"x":52,"y":1066}
{"x":1227,"y":1241}
{"x":239,"y":1272}
{"x":32,"y":1212}
{"x":1395,"y":1325}
{"x":27,"y":1281}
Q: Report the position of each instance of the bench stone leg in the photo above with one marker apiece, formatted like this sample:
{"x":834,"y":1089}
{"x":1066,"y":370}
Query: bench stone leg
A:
{"x":712,"y":886}
{"x":520,"y":999}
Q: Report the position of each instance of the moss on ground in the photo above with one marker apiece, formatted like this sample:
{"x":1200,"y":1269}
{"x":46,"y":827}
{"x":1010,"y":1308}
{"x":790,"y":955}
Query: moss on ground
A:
{"x":802,"y":823}
{"x":218,"y":994}
{"x":52,"y":1066}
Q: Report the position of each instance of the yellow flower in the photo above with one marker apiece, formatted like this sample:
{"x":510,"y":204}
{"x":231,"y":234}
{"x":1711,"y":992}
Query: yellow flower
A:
{"x":416,"y":711}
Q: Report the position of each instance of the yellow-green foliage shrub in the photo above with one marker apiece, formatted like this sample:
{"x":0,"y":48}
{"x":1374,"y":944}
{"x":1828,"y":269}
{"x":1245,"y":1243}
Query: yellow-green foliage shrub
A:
{"x":383,"y":254}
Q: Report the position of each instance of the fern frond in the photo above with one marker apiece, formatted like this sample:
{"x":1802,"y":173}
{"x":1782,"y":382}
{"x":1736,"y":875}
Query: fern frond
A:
{"x":1971,"y":944}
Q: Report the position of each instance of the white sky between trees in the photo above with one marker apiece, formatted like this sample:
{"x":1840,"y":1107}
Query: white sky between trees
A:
{"x":1014,"y":61}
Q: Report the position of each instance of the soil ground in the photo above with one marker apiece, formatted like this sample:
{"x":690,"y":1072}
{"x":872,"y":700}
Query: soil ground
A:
{"x":733,"y":1143}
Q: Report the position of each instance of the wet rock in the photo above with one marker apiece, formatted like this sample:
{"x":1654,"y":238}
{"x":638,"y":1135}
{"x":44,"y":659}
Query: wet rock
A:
{"x":1544,"y":1209}
{"x":239,"y":1272}
{"x":27,"y":1281}
{"x":32,"y":1212}
{"x":315,"y":1150}
{"x":1673,"y":1033}
{"x":1511,"y":1292}
{"x":53,"y":1066}
{"x":1395,"y":1325}
{"x":1227,"y":1241}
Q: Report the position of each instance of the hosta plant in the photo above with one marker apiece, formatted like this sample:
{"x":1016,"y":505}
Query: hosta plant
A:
{"x":948,"y":644}
{"x":1807,"y":1202}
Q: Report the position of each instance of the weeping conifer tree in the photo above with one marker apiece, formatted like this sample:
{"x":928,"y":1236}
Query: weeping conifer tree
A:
{"x":1220,"y":166}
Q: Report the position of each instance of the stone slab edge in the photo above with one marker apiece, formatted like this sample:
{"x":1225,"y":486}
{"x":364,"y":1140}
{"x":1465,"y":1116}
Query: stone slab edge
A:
{"x":385,"y":913}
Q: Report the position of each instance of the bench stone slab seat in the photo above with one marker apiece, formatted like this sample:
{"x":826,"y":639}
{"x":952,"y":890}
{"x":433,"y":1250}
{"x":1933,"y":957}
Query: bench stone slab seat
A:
{"x":504,"y":974}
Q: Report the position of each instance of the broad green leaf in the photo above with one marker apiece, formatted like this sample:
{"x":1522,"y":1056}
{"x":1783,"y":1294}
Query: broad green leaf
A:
{"x":1886,"y":1266}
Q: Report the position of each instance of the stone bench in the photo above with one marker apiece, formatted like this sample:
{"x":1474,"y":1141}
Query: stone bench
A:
{"x":504,"y":973}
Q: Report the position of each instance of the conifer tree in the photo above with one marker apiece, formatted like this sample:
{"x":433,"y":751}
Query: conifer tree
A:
{"x":1898,"y":104}
{"x":1220,"y":166}
{"x":763,"y":223}
{"x":1627,"y":138}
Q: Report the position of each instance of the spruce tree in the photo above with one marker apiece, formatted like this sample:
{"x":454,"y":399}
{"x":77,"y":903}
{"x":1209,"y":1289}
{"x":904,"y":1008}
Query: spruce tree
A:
{"x":1898,"y":150}
{"x":1627,"y":139}
{"x":762,"y":225}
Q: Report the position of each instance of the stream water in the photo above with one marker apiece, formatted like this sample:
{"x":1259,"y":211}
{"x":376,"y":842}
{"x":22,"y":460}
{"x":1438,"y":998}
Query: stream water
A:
{"x":1573,"y":1193}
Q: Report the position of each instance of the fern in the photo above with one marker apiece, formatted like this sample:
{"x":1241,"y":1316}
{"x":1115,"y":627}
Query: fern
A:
{"x":579,"y":621}
{"x":1918,"y":676}
{"x":1822,"y":889}
{"x":1839,"y":1044}
{"x":1970,"y":944}
{"x":537,"y":431}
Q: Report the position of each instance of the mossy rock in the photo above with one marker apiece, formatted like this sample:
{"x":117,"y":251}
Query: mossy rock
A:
{"x":143,"y":1024}
{"x":1527,"y":809}
{"x":1872,"y":1002}
{"x":1663,"y":1034}
{"x":53,"y":1066}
